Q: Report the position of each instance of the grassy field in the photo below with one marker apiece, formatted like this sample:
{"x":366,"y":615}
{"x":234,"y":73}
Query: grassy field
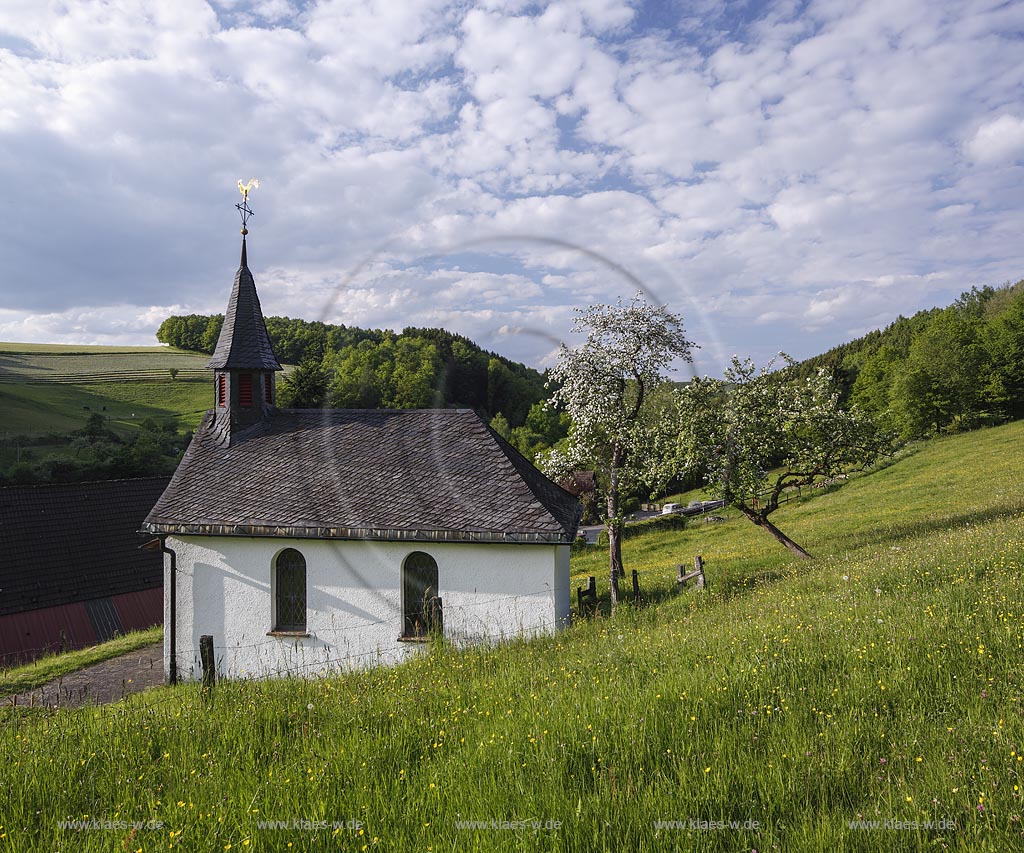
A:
{"x":86,"y":349}
{"x":48,"y":388}
{"x":882,"y":681}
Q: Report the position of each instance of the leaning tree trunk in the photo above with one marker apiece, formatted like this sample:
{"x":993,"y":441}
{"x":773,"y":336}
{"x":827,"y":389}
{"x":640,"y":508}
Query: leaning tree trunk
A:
{"x":761,"y":520}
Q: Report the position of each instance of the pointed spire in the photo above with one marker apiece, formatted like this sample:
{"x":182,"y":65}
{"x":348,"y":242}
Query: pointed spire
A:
{"x":244,"y":343}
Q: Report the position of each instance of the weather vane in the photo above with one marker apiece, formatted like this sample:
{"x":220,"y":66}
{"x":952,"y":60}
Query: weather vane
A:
{"x":243,"y":209}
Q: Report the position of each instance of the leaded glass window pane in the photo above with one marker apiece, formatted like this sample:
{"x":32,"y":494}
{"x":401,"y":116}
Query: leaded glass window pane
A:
{"x":291,"y":591}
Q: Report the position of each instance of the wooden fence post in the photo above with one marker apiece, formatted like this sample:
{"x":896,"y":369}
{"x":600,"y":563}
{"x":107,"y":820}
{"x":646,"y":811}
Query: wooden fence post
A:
{"x":206,"y":659}
{"x":698,"y":566}
{"x":435,"y":616}
{"x":586,"y":597}
{"x":636,"y":586}
{"x":697,"y":575}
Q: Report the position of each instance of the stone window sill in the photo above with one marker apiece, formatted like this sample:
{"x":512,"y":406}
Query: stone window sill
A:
{"x":288,"y":633}
{"x":414,"y":639}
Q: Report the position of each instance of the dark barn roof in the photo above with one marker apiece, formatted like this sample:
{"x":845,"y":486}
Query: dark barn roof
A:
{"x":74,"y":542}
{"x":244,"y":343}
{"x":432,"y":474}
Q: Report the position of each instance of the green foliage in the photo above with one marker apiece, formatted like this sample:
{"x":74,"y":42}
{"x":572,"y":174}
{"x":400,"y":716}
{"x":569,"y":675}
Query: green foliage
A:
{"x":941,"y":370}
{"x":195,"y":332}
{"x":500,"y":425}
{"x":367,"y":368}
{"x":544,"y":428}
{"x":396,"y":373}
{"x":305,"y":387}
{"x":100,"y":453}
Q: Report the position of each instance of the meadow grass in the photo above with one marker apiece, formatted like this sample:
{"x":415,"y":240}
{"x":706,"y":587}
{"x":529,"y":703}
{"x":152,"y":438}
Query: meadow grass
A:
{"x":94,"y":379}
{"x":56,"y":408}
{"x":125,"y":384}
{"x":27,"y":676}
{"x":881,"y":681}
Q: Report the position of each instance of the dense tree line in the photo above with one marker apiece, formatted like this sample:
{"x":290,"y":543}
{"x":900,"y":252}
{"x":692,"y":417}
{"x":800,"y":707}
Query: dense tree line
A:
{"x":942,"y":370}
{"x":347,"y":367}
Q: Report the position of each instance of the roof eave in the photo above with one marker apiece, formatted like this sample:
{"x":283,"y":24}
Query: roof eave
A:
{"x":353,"y":533}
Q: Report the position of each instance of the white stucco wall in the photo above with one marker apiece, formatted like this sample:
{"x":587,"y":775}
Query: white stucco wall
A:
{"x":353,"y":597}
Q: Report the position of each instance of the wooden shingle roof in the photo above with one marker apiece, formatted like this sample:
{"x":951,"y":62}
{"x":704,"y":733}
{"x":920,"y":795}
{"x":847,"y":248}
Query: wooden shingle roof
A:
{"x":432,"y":474}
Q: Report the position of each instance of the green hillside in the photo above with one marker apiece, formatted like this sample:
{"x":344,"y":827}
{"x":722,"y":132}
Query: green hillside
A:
{"x":881,"y":681}
{"x":52,"y":388}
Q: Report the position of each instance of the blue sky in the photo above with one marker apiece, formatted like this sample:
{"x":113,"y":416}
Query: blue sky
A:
{"x":784,"y":175}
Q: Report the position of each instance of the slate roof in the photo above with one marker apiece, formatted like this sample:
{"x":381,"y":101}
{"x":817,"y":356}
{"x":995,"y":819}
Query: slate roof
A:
{"x":70,"y":542}
{"x":244,"y":343}
{"x":430,"y":474}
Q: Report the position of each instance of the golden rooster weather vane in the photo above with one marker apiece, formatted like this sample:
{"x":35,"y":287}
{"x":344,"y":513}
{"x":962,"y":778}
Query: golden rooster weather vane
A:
{"x":243,"y":209}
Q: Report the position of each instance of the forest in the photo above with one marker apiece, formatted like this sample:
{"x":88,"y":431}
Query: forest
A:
{"x":942,"y":370}
{"x":351,"y":368}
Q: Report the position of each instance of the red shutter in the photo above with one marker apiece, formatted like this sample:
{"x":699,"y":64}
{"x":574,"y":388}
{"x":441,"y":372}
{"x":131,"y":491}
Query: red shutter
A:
{"x":245,"y":389}
{"x":268,"y":389}
{"x":222,"y":390}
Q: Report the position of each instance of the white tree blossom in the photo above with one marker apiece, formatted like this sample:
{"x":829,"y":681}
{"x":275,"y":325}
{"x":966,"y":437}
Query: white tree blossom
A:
{"x":607,"y":385}
{"x":755,"y":434}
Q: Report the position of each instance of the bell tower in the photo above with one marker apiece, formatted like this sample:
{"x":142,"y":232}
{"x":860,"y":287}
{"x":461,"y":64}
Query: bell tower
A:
{"x":243,"y":363}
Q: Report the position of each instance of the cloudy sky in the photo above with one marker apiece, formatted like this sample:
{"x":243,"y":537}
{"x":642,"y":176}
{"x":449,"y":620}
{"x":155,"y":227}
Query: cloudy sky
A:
{"x":786,"y":175}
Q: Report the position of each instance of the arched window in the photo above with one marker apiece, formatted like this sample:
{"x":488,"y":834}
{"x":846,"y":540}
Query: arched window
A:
{"x":290,"y":591}
{"x":421,"y":608}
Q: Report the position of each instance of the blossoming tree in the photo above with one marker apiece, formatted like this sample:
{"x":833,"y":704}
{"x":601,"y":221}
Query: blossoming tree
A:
{"x":607,"y":385}
{"x":756,"y":434}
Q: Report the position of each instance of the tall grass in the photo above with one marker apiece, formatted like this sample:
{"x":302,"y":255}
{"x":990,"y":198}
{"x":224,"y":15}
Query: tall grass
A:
{"x":880,"y":682}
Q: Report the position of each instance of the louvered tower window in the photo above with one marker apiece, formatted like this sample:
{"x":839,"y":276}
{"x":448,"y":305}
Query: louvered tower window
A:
{"x":222,"y":390}
{"x":290,"y":591}
{"x":245,"y":389}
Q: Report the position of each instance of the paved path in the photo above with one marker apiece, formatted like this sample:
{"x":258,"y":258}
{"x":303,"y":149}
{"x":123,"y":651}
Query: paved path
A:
{"x":100,"y":683}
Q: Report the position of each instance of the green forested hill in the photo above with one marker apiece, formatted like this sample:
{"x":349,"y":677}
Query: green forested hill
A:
{"x":944,"y":369}
{"x":349,"y":367}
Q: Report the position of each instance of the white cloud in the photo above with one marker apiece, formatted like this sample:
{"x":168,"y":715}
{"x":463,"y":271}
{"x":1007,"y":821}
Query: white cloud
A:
{"x":785,"y":176}
{"x":998,"y":141}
